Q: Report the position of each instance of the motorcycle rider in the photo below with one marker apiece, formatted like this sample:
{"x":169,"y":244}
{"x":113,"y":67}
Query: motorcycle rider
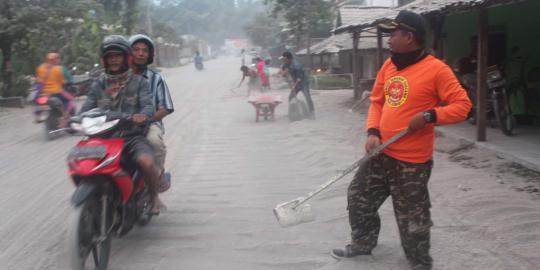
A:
{"x":143,"y":55}
{"x":198,"y":59}
{"x":51,"y":78}
{"x":121,"y":91}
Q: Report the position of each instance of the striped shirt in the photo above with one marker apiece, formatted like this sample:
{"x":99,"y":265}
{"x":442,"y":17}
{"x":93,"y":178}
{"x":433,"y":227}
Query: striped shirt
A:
{"x":161,"y":97}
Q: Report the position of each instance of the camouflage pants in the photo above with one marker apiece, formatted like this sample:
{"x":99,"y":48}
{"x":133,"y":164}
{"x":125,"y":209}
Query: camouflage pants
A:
{"x":408,"y":184}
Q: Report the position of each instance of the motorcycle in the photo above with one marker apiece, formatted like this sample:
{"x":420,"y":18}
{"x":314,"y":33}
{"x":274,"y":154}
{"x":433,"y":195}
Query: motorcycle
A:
{"x":48,"y":110}
{"x":497,"y":106}
{"x":198,"y":61}
{"x":199,"y":65}
{"x":110,"y":197}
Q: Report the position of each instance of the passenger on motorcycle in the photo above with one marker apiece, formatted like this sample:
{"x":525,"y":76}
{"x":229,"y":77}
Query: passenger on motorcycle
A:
{"x":121,"y":91}
{"x":143,"y":55}
{"x":50,"y":78}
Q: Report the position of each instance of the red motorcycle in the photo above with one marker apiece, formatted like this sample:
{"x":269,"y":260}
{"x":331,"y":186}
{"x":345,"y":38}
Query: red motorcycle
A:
{"x":111,"y":197}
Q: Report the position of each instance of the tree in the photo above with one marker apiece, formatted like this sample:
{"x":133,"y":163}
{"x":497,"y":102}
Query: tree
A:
{"x":14,"y":16}
{"x":121,"y":12}
{"x":211,"y":20}
{"x":263,"y":30}
{"x":313,"y":17}
{"x":29,"y":29}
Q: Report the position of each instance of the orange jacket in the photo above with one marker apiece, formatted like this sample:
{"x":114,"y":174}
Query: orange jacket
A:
{"x":55,"y":80}
{"x":398,"y":95}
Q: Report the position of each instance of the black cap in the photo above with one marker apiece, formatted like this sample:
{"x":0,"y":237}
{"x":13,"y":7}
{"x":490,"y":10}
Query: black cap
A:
{"x":287,"y":55}
{"x":408,"y":21}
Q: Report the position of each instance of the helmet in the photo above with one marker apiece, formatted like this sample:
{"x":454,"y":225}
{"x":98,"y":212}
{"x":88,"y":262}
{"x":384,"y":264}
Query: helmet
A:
{"x":115,"y":43}
{"x":144,"y":38}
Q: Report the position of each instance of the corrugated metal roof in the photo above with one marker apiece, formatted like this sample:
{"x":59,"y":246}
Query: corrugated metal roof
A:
{"x":449,"y":6}
{"x":340,"y":42}
{"x":422,"y":7}
{"x":353,"y":14}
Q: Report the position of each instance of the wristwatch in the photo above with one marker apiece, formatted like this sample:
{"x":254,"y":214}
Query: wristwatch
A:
{"x":430,"y":116}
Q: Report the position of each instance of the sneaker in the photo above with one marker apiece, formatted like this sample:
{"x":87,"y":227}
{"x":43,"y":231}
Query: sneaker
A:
{"x":347,"y":252}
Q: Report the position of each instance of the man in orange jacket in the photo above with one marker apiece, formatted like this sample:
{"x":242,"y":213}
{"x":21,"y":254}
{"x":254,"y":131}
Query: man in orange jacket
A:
{"x":406,"y":94}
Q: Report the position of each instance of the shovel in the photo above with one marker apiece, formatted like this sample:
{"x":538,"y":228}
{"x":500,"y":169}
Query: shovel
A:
{"x":297,"y":211}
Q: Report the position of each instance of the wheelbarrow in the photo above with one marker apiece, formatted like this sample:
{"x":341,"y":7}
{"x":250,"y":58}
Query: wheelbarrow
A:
{"x":265,"y":105}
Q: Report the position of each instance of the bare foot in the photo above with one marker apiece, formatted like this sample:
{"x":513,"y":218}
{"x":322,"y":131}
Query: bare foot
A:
{"x":158,"y":206}
{"x":64,"y":120}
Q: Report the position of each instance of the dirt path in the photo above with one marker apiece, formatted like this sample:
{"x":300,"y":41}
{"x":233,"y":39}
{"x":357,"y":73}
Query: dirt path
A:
{"x":228,"y":174}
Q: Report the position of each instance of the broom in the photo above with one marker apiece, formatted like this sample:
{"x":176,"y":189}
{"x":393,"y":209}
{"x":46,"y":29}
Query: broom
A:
{"x":297,"y":211}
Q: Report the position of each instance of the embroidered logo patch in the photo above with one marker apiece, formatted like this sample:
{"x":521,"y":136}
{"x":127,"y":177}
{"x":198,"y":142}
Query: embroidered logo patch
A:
{"x":396,"y":91}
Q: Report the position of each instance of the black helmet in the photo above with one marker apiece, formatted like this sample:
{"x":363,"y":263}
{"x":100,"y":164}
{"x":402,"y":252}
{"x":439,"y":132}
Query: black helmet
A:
{"x":144,"y":38}
{"x":115,"y":43}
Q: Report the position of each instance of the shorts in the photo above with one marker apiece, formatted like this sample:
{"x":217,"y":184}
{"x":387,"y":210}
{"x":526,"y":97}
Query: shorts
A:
{"x":134,"y":147}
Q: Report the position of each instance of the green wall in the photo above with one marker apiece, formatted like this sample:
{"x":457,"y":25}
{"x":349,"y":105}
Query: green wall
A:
{"x":521,"y":22}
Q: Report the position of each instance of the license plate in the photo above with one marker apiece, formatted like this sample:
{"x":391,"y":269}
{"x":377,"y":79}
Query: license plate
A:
{"x":88,"y":152}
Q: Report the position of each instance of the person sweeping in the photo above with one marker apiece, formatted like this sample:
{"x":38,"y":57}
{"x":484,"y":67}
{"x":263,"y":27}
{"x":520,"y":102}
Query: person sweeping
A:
{"x":406,"y":94}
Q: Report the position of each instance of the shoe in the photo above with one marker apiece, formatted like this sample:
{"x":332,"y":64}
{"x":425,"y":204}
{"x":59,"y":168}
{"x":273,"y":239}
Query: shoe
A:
{"x":347,"y":252}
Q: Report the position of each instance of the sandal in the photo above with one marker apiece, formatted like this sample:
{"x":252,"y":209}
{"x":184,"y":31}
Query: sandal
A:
{"x":165,"y":182}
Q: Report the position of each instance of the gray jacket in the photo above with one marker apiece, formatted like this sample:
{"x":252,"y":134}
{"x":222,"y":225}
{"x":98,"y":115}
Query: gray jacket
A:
{"x":296,"y":70}
{"x":135,"y":98}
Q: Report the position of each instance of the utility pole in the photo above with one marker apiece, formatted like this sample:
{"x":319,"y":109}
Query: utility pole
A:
{"x":148,"y":18}
{"x":308,"y":34}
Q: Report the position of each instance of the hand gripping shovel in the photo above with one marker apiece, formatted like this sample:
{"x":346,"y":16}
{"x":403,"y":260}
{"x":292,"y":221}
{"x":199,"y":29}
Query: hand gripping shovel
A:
{"x":297,"y":211}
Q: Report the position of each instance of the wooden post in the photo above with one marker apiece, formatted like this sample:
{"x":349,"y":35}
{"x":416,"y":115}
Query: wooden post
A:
{"x":308,"y":36}
{"x":355,"y":67}
{"x":379,"y":48}
{"x":437,"y":25}
{"x":481,"y":87}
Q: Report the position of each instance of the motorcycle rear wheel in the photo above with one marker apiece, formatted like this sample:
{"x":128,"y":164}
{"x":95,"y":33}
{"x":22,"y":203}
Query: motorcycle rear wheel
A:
{"x":84,"y":237}
{"x":503,"y":114}
{"x":51,"y":124}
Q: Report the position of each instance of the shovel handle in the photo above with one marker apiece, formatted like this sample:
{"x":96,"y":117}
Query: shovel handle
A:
{"x":351,"y":168}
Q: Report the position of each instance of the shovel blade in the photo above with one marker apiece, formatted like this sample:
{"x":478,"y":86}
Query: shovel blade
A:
{"x":288,"y":215}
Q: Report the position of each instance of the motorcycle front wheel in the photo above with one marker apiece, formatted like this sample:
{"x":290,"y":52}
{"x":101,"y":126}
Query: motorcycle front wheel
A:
{"x":87,"y":247}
